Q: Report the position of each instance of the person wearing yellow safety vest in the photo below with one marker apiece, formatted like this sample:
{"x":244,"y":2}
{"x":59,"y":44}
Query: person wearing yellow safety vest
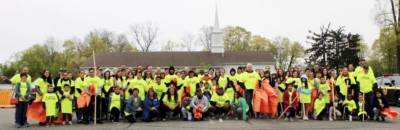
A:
{"x":140,"y":83}
{"x":128,"y":85}
{"x":65,"y":79}
{"x":107,"y":83}
{"x":361,"y":113}
{"x":42,"y":83}
{"x":305,"y":97}
{"x":346,"y":84}
{"x":159,"y":87}
{"x":50,"y":100}
{"x":220,"y":105}
{"x":294,"y":78}
{"x":120,"y":79}
{"x":171,"y":76}
{"x":115,"y":103}
{"x":66,"y":104}
{"x":232,"y":75}
{"x":93,"y":82}
{"x":350,"y":107}
{"x":223,"y":81}
{"x":250,"y":79}
{"x":148,"y":77}
{"x":17,"y":77}
{"x":79,"y":88}
{"x":170,"y":104}
{"x":281,"y":83}
{"x":22,"y":94}
{"x":367,"y":84}
{"x":191,"y":81}
{"x":320,"y":107}
{"x":41,"y":86}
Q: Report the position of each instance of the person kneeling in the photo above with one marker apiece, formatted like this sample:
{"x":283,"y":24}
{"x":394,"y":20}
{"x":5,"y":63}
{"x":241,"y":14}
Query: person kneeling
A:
{"x":241,"y":106}
{"x":116,"y":100}
{"x":220,"y":105}
{"x":151,"y":106}
{"x":290,"y":102}
{"x":320,"y":107}
{"x":380,"y":105}
{"x":198,"y":106}
{"x":171,"y":104}
{"x":349,"y":107}
{"x":133,"y":108}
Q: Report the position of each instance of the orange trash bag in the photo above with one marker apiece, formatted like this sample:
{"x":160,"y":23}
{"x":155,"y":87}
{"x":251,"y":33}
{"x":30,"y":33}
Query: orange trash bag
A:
{"x":272,"y":98}
{"x":260,"y":100}
{"x":390,"y":113}
{"x":314,"y":94}
{"x":198,"y":113}
{"x":83,"y":100}
{"x":36,"y":111}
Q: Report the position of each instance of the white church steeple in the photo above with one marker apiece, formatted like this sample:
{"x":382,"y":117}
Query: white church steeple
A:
{"x":217,"y":36}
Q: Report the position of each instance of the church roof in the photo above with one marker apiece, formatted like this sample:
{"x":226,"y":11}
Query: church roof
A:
{"x":164,"y":59}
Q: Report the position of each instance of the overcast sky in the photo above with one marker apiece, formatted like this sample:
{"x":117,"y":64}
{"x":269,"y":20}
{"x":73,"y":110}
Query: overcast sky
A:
{"x":26,"y":22}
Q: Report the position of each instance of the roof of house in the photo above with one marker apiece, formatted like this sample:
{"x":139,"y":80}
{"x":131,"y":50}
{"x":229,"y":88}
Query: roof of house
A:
{"x":178,"y":58}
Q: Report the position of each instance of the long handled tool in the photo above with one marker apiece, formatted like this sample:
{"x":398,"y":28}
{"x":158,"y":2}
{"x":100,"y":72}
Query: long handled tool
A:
{"x":333,"y":99}
{"x":95,"y":95}
{"x":295,"y":98}
{"x":363,"y":107}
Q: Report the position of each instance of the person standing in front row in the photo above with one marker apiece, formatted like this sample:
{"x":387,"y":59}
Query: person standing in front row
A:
{"x":22,"y":93}
{"x":250,"y":79}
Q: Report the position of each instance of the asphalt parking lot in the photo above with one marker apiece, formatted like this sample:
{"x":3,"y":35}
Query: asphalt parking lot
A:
{"x":7,"y":119}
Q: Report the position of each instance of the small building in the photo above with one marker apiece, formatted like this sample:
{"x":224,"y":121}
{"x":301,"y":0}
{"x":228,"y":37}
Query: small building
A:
{"x":217,"y":57}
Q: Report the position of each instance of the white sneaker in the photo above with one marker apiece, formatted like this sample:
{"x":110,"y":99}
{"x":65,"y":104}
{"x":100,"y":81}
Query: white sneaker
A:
{"x":220,"y":120}
{"x":350,"y":118}
{"x":305,"y":118}
{"x":330,"y":119}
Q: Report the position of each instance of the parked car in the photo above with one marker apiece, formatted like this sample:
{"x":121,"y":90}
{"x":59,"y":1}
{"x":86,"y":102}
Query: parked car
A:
{"x":391,"y":86}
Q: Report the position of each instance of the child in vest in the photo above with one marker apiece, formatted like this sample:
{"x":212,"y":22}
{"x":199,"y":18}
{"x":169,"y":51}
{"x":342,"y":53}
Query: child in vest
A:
{"x":50,"y":100}
{"x":320,"y":107}
{"x":290,"y":102}
{"x":305,"y":97}
{"x":115,"y":101}
{"x":361,"y":113}
{"x":349,"y":107}
{"x":22,"y":94}
{"x":66,"y":104}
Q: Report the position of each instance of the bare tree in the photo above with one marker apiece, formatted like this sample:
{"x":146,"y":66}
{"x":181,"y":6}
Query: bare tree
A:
{"x":144,"y":35}
{"x":188,"y":40}
{"x":205,"y":37}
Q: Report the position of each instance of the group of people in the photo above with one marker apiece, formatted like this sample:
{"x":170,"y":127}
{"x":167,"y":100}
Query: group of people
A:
{"x":151,"y":94}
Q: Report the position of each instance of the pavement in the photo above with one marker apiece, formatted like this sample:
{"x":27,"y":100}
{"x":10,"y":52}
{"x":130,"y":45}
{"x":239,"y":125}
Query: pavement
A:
{"x":7,"y":119}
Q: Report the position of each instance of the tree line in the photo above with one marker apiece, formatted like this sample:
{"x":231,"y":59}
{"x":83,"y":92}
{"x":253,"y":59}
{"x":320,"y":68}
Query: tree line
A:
{"x":69,"y":54}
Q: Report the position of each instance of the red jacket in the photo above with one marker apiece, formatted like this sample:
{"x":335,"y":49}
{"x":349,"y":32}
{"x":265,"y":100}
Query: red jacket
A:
{"x":295,"y":99}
